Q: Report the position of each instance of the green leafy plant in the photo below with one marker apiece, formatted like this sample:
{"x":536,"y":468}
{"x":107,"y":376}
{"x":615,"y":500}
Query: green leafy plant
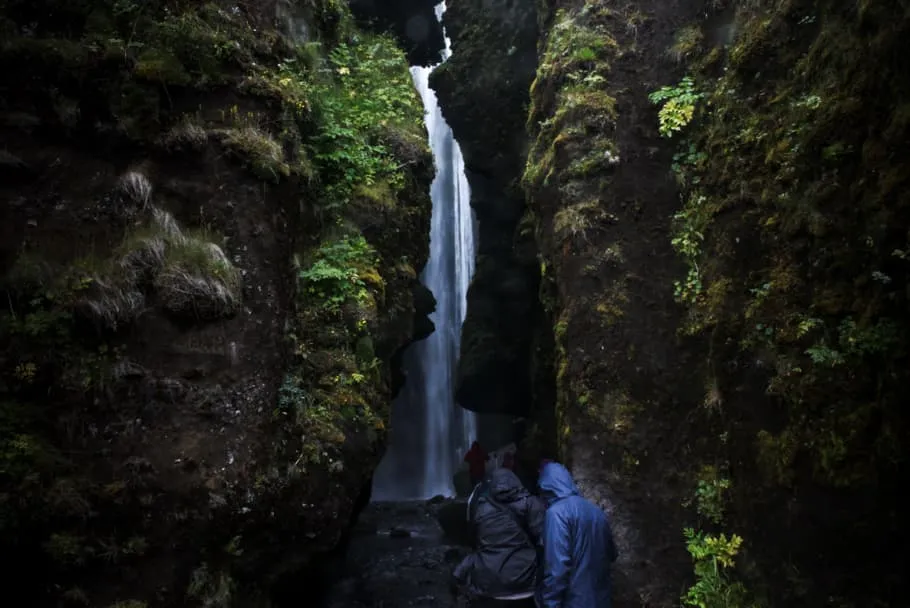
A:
{"x":684,"y":161}
{"x":679,"y":103}
{"x":710,"y":494}
{"x":688,"y":234}
{"x":854,"y":342}
{"x":714,"y":557}
{"x":369,"y":96}
{"x":340,"y":272}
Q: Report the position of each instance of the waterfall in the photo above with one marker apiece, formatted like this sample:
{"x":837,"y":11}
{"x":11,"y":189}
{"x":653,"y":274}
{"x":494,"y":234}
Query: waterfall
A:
{"x":430,"y":432}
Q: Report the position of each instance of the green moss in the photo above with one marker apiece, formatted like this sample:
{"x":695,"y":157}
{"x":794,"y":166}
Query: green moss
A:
{"x":163,"y":67}
{"x":615,"y":412}
{"x":571,"y":124}
{"x":69,"y":549}
{"x":791,"y":156}
{"x":611,"y":303}
{"x":687,"y":42}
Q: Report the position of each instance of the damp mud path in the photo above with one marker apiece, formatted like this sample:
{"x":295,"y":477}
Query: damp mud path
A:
{"x":399,"y":556}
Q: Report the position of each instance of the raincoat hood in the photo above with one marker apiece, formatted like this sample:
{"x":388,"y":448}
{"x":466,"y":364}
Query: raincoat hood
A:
{"x":505,"y":486}
{"x":556,"y":482}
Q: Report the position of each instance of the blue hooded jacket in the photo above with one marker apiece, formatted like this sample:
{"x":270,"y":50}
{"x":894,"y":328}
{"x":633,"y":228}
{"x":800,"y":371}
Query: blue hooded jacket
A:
{"x":578,"y":546}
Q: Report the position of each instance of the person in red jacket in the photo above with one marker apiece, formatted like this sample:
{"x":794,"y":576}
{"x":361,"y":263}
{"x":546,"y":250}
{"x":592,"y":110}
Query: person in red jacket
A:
{"x":508,"y":461}
{"x":477,"y":460}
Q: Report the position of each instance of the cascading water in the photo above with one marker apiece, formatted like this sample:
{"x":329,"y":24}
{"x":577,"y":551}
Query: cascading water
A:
{"x":430,"y":432}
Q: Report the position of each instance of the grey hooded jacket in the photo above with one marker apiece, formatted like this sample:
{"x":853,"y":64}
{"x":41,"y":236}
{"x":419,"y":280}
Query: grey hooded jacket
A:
{"x":508,"y":521}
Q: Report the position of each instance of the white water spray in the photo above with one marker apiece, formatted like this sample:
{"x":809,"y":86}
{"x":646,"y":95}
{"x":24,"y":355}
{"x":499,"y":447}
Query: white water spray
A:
{"x":430,"y":432}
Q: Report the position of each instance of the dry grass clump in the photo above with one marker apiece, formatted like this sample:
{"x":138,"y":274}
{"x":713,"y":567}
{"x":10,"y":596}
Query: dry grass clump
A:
{"x":136,"y":190}
{"x":112,"y":302}
{"x":258,"y":150}
{"x":186,"y":274}
{"x":197,"y":280}
{"x":188,"y":134}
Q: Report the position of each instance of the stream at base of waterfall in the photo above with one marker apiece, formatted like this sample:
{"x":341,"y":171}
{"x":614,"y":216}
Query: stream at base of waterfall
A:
{"x":430,"y":432}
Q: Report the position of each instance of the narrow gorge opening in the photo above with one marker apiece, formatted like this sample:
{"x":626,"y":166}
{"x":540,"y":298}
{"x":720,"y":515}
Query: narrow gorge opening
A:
{"x":430,"y":432}
{"x":682,"y":272}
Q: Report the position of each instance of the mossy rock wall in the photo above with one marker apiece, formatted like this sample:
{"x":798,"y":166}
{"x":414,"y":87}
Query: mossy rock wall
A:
{"x":749,"y":382}
{"x":203,"y":297}
{"x":600,"y":200}
{"x":793,"y":171}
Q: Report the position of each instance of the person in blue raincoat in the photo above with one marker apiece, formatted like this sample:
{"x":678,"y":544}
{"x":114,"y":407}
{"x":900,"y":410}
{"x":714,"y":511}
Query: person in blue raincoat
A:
{"x":578,"y":547}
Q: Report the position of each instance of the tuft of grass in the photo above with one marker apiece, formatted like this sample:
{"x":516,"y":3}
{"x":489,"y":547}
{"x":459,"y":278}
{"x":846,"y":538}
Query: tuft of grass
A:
{"x":576,"y":219}
{"x":687,"y":41}
{"x":188,"y":273}
{"x":135,"y":188}
{"x":211,"y":589}
{"x":198,"y":280}
{"x":258,"y":150}
{"x":186,"y":135}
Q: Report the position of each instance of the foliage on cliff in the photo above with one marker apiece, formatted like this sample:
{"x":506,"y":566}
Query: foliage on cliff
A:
{"x":274,"y":208}
{"x":793,"y":164}
{"x":572,"y":122}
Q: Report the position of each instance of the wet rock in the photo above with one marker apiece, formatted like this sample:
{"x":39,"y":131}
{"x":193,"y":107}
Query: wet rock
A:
{"x":452,"y":518}
{"x":399,"y":533}
{"x":382,"y":570}
{"x":412,"y":21}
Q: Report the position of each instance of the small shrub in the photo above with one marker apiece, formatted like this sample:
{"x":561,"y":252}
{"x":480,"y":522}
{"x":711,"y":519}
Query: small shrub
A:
{"x":710,"y":494}
{"x":679,"y":103}
{"x":370,"y":95}
{"x":713,"y":557}
{"x":689,"y":225}
{"x":340,"y":271}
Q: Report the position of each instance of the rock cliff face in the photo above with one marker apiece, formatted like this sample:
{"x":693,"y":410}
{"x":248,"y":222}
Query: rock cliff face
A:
{"x":793,"y":227}
{"x":601,"y":199}
{"x":483,"y":92}
{"x":414,"y":23}
{"x":211,"y":236}
{"x":714,"y":196}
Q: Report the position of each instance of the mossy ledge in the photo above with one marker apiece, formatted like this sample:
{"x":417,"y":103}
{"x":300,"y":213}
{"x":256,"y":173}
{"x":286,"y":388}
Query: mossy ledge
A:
{"x":211,"y":237}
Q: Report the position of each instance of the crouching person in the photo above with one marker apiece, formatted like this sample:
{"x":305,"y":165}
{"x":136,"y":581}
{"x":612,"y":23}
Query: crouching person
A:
{"x":508,"y":521}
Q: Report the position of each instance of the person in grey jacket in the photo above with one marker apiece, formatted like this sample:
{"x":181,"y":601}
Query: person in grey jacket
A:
{"x":508,"y":521}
